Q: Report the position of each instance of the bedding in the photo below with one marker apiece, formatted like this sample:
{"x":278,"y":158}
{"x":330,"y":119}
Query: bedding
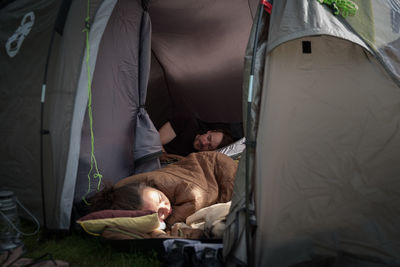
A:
{"x":235,"y":149}
{"x":197,"y":181}
{"x":192,"y":184}
{"x":210,"y":221}
{"x":138,"y":221}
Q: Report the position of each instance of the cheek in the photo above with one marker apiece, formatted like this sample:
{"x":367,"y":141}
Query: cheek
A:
{"x":149,"y":206}
{"x":196,"y":144}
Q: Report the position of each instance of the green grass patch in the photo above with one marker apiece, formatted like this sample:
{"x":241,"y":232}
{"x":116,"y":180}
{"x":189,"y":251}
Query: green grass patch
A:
{"x":80,"y":249}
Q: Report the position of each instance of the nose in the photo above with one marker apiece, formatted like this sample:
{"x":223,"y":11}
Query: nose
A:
{"x":204,"y":141}
{"x":164,"y":204}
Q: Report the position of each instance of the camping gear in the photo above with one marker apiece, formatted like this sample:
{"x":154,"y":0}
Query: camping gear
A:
{"x":181,"y":252}
{"x":10,"y":233}
{"x":325,"y":110}
{"x":197,"y":181}
{"x":9,"y":221}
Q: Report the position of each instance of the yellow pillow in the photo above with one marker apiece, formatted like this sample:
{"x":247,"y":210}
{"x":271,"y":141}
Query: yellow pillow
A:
{"x":141,"y":221}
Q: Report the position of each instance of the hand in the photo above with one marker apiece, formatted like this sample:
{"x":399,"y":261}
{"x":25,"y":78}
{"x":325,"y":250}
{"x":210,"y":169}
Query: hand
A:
{"x":169,"y":158}
{"x":182,"y":230}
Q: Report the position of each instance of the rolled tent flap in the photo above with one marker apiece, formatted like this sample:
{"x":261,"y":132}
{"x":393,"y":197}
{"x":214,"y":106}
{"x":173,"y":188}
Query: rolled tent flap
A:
{"x":147,"y":146}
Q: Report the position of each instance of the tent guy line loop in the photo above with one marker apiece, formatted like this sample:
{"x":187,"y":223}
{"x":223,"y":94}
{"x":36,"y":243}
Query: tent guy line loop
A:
{"x":93,"y":162}
{"x":87,"y":24}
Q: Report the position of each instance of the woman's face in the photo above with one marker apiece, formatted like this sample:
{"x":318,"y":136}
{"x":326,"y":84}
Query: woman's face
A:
{"x":155,"y":200}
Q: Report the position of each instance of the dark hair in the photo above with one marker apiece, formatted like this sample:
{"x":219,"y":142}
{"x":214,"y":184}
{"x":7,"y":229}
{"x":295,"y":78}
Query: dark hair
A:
{"x":227,"y":138}
{"x":127,"y":197}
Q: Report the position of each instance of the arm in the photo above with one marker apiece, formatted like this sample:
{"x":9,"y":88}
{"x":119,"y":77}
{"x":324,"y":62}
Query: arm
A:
{"x":167,"y":133}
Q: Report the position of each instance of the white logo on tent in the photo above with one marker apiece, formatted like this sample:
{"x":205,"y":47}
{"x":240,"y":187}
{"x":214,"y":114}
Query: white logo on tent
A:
{"x":15,"y":41}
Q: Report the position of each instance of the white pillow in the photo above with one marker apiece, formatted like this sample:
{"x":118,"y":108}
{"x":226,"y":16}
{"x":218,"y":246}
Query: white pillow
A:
{"x":235,"y":149}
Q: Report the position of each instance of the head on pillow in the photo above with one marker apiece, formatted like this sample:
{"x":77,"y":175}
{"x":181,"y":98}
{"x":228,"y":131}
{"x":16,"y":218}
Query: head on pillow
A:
{"x":134,"y":196}
{"x":212,"y":140}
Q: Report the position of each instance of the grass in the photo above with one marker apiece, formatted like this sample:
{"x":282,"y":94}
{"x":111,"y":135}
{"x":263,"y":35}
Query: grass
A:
{"x":80,"y":249}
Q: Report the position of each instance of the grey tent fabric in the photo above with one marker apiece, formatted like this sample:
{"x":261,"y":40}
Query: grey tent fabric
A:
{"x":23,"y":25}
{"x":147,"y":146}
{"x":67,"y":105}
{"x":328,"y":170}
{"x":326,"y":164}
{"x":119,"y":85}
{"x":306,"y":18}
{"x":235,"y":243}
{"x":200,"y":47}
{"x":368,"y":28}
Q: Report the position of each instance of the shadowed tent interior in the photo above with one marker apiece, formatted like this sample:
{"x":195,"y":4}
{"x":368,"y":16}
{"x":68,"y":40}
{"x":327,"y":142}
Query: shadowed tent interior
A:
{"x":103,"y":65}
{"x":196,"y":54}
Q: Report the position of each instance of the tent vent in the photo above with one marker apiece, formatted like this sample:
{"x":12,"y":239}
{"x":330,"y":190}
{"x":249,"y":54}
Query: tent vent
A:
{"x":306,"y":47}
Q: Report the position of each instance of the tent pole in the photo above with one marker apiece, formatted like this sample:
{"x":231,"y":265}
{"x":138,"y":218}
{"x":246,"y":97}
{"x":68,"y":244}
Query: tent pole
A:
{"x":42,"y":130}
{"x":58,"y":27}
{"x":250,"y":142}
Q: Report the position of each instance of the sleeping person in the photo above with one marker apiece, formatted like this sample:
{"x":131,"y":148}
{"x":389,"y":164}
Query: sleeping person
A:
{"x":184,"y":134}
{"x":176,"y":191}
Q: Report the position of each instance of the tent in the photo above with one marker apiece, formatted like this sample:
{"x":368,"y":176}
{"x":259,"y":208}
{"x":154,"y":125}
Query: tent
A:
{"x":77,"y":79}
{"x":324,"y":142}
{"x":322,"y":155}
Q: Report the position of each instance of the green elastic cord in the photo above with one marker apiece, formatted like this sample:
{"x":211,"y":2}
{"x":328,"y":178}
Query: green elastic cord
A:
{"x":345,"y":7}
{"x":93,"y":162}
